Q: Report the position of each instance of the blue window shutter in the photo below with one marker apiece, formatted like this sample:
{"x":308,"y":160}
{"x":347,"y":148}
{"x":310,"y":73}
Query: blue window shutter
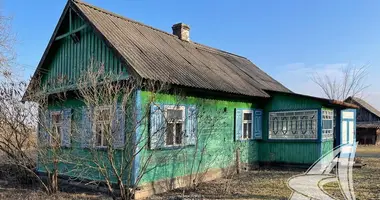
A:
{"x":118,"y":128}
{"x":66,"y":129}
{"x":191,"y":125}
{"x":258,"y":125}
{"x":86,"y":132}
{"x":157,"y":126}
{"x":238,"y":124}
{"x":44,"y":127}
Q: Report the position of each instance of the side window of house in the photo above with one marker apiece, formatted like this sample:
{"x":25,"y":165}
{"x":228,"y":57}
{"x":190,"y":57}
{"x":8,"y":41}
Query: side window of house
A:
{"x":248,"y":124}
{"x":327,"y":124}
{"x":103,"y":127}
{"x":172,"y":126}
{"x":56,"y":125}
{"x":175,"y":116}
{"x":293,"y":124}
{"x":57,"y":130}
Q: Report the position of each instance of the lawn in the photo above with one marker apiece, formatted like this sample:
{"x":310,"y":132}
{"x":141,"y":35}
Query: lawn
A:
{"x":257,"y":184}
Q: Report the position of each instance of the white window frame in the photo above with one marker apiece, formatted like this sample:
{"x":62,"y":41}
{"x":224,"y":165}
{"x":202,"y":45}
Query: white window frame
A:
{"x":301,"y":132}
{"x":247,"y":122}
{"x":102,"y":123}
{"x":55,"y":127}
{"x":328,"y":115}
{"x":183,"y":120}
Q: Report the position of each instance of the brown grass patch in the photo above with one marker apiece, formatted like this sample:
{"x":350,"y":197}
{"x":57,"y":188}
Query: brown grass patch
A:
{"x":272,"y":184}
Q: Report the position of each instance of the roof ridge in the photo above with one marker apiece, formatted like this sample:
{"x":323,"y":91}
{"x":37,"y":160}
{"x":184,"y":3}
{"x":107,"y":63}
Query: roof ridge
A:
{"x":367,"y":105}
{"x":156,"y":29}
{"x":217,"y":50}
{"x":119,"y":16}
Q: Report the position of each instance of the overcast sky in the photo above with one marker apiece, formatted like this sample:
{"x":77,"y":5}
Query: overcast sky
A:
{"x":289,"y":40}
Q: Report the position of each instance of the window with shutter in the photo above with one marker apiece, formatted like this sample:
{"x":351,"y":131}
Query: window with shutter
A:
{"x":102,"y":126}
{"x":173,"y":126}
{"x":175,"y":118}
{"x":247,"y":125}
{"x":244,"y":126}
{"x":56,"y":126}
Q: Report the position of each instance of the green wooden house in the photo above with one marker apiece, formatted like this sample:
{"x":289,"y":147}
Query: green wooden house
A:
{"x":260,"y":120}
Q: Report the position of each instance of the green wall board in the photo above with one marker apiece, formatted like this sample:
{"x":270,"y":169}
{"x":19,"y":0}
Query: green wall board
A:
{"x":67,"y":60}
{"x":76,"y":161}
{"x":288,"y":151}
{"x":216,"y":141}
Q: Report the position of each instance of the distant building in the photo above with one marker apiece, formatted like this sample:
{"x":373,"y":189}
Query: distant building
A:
{"x":368,"y":122}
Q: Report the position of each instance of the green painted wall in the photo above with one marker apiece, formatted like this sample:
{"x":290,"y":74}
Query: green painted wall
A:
{"x":75,"y":161}
{"x":288,"y":151}
{"x":67,"y":59}
{"x":327,"y":146}
{"x":216,"y":139}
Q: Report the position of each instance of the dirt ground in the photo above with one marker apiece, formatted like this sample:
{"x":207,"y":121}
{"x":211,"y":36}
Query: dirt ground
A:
{"x":271,"y":183}
{"x":258,"y":184}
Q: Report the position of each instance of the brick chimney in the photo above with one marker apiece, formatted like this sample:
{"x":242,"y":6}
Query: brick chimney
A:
{"x":182,"y":31}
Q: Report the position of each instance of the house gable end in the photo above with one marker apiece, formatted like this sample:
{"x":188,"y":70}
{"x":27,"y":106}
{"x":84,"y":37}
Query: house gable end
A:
{"x":74,"y":46}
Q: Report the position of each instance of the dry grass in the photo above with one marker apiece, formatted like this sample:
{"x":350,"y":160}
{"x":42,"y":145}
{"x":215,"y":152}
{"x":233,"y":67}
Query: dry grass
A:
{"x":23,"y":194}
{"x":258,"y":184}
{"x":271,"y":184}
{"x":368,"y":149}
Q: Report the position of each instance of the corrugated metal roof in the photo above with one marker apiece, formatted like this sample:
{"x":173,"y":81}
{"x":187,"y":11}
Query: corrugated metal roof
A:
{"x":364,"y":104}
{"x":157,"y":55}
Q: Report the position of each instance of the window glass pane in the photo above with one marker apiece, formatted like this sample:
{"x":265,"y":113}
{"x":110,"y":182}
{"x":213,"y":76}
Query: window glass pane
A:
{"x":245,"y":127}
{"x":249,"y":130}
{"x":174,"y":114}
{"x":178,"y":134}
{"x":56,"y":118}
{"x":327,"y":124}
{"x":104,"y":114}
{"x":105,"y":137}
{"x":169,"y":134}
{"x":98,"y":135}
{"x":247,"y":116}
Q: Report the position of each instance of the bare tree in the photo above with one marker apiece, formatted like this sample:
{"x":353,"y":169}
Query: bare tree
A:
{"x":103,"y":136}
{"x":350,"y":82}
